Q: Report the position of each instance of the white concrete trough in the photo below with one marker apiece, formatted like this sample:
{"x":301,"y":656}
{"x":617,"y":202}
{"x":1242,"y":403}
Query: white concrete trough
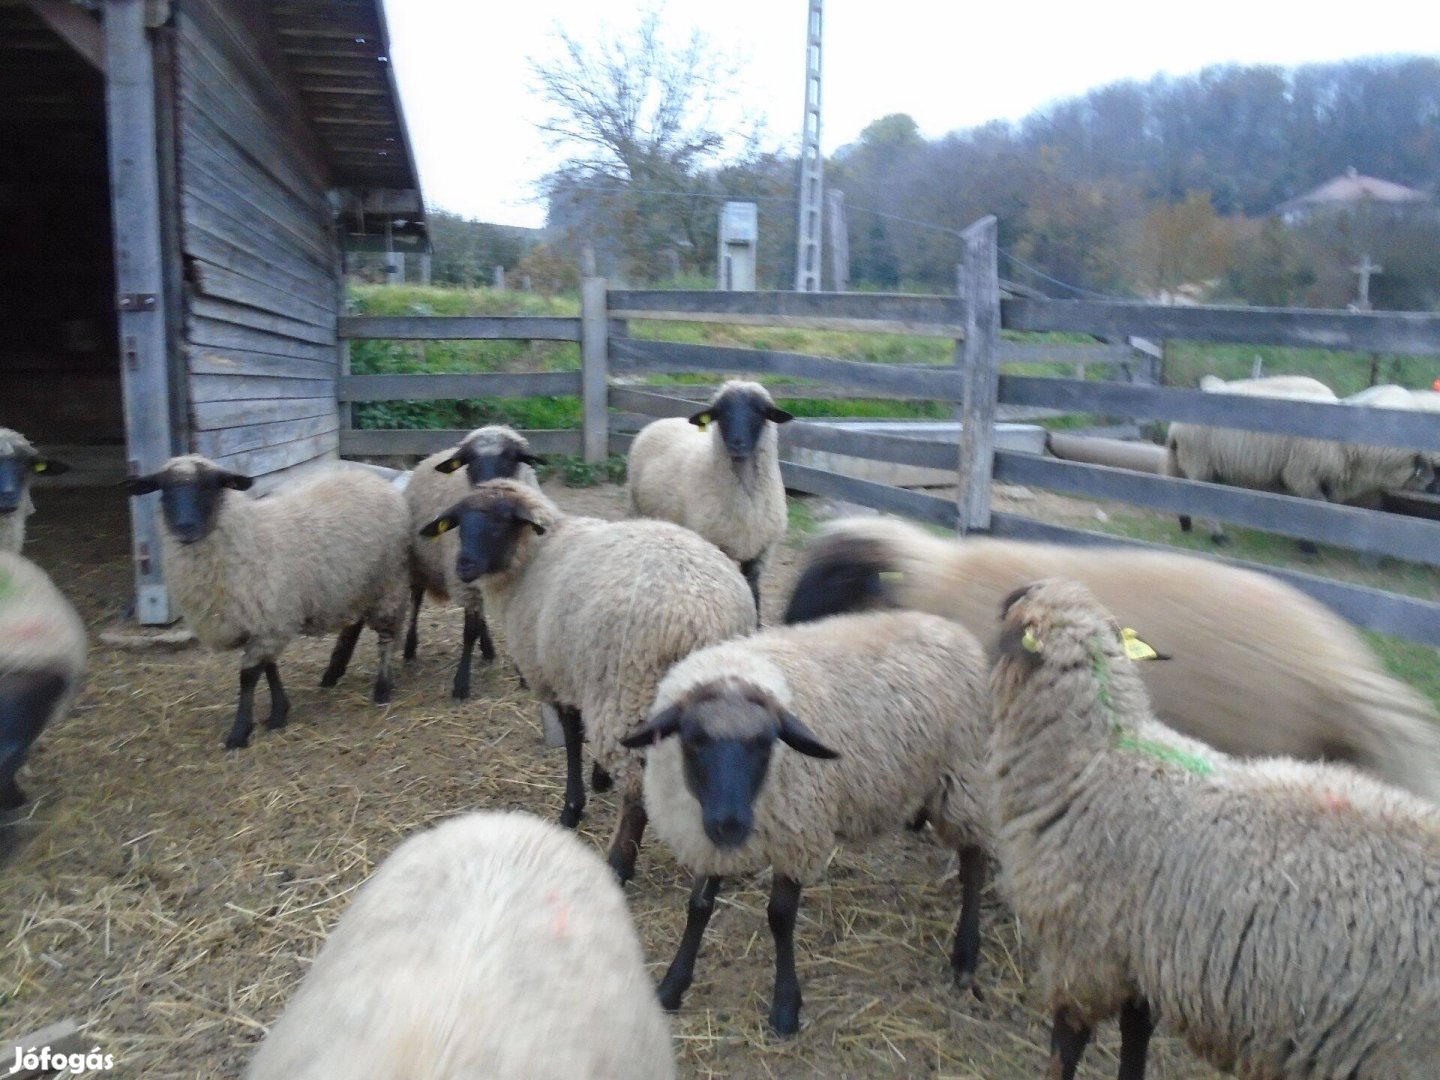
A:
{"x":1025,"y":438}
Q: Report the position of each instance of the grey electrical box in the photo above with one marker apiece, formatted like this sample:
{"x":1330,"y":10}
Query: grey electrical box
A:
{"x":739,"y":238}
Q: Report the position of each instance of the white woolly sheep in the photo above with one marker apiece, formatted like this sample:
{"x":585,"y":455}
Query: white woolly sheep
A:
{"x":1283,"y":917}
{"x":1390,"y":396}
{"x":1265,"y":669}
{"x":19,"y":462}
{"x":438,"y":482}
{"x":1310,"y":468}
{"x":323,"y":554}
{"x":899,"y":698}
{"x":722,"y":483}
{"x":493,"y":945}
{"x":594,"y":613}
{"x":42,"y":656}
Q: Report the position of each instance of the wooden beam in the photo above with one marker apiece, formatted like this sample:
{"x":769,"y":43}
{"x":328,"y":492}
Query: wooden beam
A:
{"x":456,"y":387}
{"x":978,"y":360}
{"x":894,"y":500}
{"x":418,"y":442}
{"x":63,"y":1037}
{"x":1411,"y":333}
{"x":457,"y":328}
{"x":927,"y":316}
{"x":74,"y":24}
{"x":133,"y":148}
{"x":594,"y":368}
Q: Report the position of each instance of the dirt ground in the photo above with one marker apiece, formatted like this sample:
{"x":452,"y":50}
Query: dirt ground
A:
{"x":170,"y":895}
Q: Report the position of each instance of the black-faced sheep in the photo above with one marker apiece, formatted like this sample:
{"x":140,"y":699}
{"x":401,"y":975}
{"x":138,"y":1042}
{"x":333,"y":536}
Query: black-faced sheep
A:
{"x":1265,"y":669}
{"x":899,"y":698}
{"x":1283,"y":917}
{"x":19,"y":464}
{"x":594,"y":613}
{"x":438,"y":482}
{"x":42,"y":656}
{"x":493,"y":945}
{"x":717,"y":473}
{"x":325,"y":554}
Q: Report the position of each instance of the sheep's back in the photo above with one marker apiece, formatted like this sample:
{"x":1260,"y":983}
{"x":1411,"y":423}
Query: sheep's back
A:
{"x":660,"y":460}
{"x":494,"y":945}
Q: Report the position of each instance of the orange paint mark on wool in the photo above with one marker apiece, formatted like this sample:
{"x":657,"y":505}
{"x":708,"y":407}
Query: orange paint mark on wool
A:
{"x":25,"y":630}
{"x":559,"y":915}
{"x":1338,"y":803}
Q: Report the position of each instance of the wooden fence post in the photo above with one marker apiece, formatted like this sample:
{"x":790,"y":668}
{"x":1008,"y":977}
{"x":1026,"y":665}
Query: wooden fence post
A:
{"x":978,"y":358}
{"x":594,"y":369}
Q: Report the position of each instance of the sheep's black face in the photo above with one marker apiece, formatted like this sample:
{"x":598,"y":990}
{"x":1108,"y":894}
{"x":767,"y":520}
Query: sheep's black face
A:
{"x":741,"y":416}
{"x":490,"y":531}
{"x":842,"y":576}
{"x":16,"y":469}
{"x":491,"y":464}
{"x":190,"y":496}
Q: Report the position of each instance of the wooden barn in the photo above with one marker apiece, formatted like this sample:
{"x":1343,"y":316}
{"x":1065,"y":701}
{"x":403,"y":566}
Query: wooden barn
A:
{"x":180,"y":181}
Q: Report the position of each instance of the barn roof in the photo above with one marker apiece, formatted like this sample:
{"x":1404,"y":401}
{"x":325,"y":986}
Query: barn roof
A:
{"x":338,"y":53}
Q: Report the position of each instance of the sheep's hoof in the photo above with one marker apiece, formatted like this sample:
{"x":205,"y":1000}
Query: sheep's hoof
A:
{"x":328,"y":681}
{"x":671,"y":994}
{"x":785,"y":1018}
{"x":600,"y":780}
{"x":276,"y":721}
{"x":460,"y":692}
{"x":570,"y":816}
{"x":11,"y":797}
{"x":965,"y":980}
{"x":237,"y":740}
{"x":382,"y":693}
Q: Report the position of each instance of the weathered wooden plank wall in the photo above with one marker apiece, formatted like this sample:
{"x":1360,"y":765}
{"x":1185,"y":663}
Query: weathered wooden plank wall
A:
{"x":261,"y":262}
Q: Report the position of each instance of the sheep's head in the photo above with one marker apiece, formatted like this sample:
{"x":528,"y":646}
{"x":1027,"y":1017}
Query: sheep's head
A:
{"x":18,"y":463}
{"x":727,"y":731}
{"x":740,"y":410}
{"x":846,"y":569}
{"x":490,"y":453}
{"x":492,"y":523}
{"x":192,"y":489}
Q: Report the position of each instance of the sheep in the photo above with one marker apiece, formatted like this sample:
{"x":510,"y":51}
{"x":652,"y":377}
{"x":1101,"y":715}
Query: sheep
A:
{"x":897,"y":699}
{"x":327,"y":553}
{"x":19,"y":461}
{"x":723,"y":483}
{"x":1266,"y":670}
{"x":436,"y":484}
{"x":492,"y":945}
{"x":594,"y":612}
{"x":1283,"y":917}
{"x":1310,"y":468}
{"x":42,"y":656}
{"x":1390,"y":396}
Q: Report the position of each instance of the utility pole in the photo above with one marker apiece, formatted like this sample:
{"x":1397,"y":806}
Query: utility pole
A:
{"x":812,"y":169}
{"x":1364,"y":270}
{"x":839,"y":239}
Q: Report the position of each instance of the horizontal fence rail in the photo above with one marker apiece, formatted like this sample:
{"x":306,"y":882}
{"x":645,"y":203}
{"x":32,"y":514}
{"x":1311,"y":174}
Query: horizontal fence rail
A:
{"x":1414,"y":333}
{"x":925,"y":316}
{"x":458,"y":386}
{"x":421,"y":442}
{"x":457,"y":328}
{"x":1313,"y":419}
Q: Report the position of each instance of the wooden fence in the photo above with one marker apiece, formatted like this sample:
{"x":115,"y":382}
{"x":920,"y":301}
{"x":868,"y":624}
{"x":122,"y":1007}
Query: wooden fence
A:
{"x":616,"y":403}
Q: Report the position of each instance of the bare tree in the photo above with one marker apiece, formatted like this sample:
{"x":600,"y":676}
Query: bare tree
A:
{"x":637,"y":116}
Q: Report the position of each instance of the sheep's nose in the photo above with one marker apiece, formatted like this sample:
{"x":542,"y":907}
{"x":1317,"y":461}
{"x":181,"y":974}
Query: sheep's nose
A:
{"x":467,"y":569}
{"x":729,"y":831}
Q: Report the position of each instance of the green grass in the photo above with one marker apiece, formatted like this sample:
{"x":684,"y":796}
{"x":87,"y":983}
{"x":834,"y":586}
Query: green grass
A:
{"x":1344,"y":372}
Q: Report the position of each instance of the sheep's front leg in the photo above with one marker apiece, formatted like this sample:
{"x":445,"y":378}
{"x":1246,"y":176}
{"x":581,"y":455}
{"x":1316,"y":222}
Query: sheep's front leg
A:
{"x":1136,"y":1027}
{"x":239,"y":736}
{"x":384,"y":683}
{"x":1068,"y":1039}
{"x":474,"y":628}
{"x":629,"y":828}
{"x":752,"y":569}
{"x":782,"y":912}
{"x":412,"y":636}
{"x":682,"y":969}
{"x":279,"y":702}
{"x":965,"y":956}
{"x":574,"y":778}
{"x":340,"y":657}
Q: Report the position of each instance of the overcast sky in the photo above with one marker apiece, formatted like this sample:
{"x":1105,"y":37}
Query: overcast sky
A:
{"x":467,"y":88}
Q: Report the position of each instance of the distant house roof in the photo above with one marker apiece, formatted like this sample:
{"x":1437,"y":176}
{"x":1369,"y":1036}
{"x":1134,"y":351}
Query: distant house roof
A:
{"x":1349,"y":188}
{"x":339,"y":57}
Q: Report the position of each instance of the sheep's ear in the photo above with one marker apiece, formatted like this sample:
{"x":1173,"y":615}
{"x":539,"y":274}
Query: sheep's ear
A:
{"x":660,"y":726}
{"x":48,"y":467}
{"x":142,"y":485}
{"x":235,"y":482}
{"x":450,"y":464}
{"x":443,"y":523}
{"x":1011,"y":600}
{"x":799,"y":738}
{"x":702,"y":419}
{"x":778,"y":416}
{"x":1136,"y":649}
{"x":532,"y":459}
{"x":523,"y":515}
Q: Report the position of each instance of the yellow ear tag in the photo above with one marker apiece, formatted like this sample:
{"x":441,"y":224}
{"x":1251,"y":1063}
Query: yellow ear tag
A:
{"x":40,"y":466}
{"x":704,"y":422}
{"x":442,"y":526}
{"x":1136,"y":649}
{"x":1029,"y":641}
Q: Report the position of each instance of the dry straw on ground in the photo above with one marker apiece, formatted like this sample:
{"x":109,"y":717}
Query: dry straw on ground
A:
{"x":170,"y":895}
